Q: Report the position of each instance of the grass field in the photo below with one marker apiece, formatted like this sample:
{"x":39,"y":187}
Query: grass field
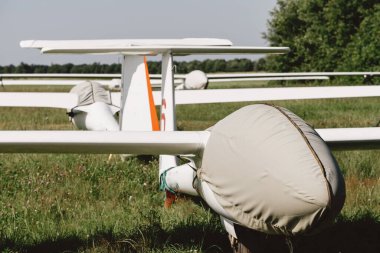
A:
{"x":84,"y":203}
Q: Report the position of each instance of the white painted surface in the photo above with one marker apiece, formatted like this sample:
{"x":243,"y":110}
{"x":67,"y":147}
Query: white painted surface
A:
{"x":103,"y":142}
{"x":123,"y":43}
{"x":95,"y":117}
{"x":351,"y":138}
{"x":147,"y":47}
{"x":64,"y":100}
{"x":39,"y":99}
{"x":289,"y":74}
{"x":271,"y":94}
{"x":295,"y":78}
{"x":168,"y":118}
{"x":175,"y":50}
{"x":135,"y":110}
{"x":181,"y":178}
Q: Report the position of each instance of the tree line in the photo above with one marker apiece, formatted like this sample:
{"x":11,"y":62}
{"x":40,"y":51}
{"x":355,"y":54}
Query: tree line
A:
{"x":208,"y":66}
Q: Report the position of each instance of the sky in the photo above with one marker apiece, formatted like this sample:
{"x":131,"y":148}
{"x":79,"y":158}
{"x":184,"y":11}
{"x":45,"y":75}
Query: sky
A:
{"x":241,"y":21}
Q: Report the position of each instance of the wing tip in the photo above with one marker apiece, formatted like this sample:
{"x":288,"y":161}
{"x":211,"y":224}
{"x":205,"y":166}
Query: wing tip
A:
{"x":26,"y":43}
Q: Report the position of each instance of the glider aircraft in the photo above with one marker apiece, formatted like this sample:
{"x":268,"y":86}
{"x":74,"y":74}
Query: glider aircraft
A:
{"x":262,"y":167}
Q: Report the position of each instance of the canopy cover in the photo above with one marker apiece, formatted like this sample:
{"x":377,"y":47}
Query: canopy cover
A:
{"x":272,"y":172}
{"x":90,"y":92}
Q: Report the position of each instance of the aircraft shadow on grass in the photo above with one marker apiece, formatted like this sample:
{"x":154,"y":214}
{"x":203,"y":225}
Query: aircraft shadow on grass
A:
{"x":345,"y":236}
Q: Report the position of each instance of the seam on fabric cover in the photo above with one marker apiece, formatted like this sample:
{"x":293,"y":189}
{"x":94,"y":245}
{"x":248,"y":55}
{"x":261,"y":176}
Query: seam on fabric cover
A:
{"x":92,"y":92}
{"x":328,"y":186}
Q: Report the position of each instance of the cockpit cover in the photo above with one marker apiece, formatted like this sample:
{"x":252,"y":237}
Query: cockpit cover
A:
{"x":272,"y":172}
{"x":90,"y":92}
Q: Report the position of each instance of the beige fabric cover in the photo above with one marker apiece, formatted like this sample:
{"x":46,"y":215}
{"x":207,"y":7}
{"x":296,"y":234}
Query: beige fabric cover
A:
{"x":90,"y":92}
{"x":272,"y":172}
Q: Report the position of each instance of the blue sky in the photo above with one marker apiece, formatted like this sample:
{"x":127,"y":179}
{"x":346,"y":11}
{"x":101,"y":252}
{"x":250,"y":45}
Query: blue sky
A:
{"x":241,"y":21}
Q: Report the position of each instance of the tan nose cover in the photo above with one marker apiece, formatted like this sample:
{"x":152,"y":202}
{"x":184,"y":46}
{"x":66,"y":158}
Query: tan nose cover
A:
{"x":272,"y":172}
{"x":90,"y":92}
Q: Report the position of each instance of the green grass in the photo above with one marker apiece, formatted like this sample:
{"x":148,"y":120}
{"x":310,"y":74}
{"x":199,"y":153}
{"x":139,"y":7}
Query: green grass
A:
{"x":85,"y":203}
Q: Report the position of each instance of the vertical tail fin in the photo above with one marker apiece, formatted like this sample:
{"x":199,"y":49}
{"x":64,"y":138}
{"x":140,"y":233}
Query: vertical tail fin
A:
{"x":153,"y":113}
{"x":138,"y":110}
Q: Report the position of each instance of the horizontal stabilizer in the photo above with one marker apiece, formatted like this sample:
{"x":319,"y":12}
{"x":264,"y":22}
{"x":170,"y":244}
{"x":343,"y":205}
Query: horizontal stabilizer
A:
{"x":147,"y":47}
{"x":175,"y":50}
{"x":123,"y":43}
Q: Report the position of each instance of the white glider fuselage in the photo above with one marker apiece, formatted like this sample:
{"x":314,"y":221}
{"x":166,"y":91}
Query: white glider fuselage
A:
{"x":95,"y":117}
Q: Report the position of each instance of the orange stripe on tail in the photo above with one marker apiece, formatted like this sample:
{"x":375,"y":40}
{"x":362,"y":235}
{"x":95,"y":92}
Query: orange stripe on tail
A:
{"x":153,"y":113}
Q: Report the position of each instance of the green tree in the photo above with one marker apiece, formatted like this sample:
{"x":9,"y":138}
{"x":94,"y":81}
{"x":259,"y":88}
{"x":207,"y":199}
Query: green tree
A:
{"x":54,"y":68}
{"x":220,"y":65}
{"x":9,"y":69}
{"x":318,"y":32}
{"x":66,"y":68}
{"x":40,"y":68}
{"x":261,"y":64}
{"x":23,"y":68}
{"x":239,"y":65}
{"x":154,"y":67}
{"x":362,"y":52}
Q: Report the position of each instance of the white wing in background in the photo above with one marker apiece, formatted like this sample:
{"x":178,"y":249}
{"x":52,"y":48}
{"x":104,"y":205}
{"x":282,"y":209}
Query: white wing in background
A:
{"x":351,"y":138}
{"x":38,"y":99}
{"x":284,"y":78}
{"x":215,"y":77}
{"x":270,"y":94}
{"x":66,"y":100}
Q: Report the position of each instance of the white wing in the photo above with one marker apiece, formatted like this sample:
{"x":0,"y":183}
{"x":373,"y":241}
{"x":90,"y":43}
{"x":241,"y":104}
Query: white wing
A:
{"x":284,"y":78}
{"x":38,"y":99}
{"x":68,"y":100}
{"x":98,"y":142}
{"x":156,"y":83}
{"x":47,"y":82}
{"x":153,"y":142}
{"x":351,"y":138}
{"x":71,"y":79}
{"x":268,"y":94}
{"x":215,"y":77}
{"x":59,"y":76}
{"x":211,"y":77}
{"x":57,"y":79}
